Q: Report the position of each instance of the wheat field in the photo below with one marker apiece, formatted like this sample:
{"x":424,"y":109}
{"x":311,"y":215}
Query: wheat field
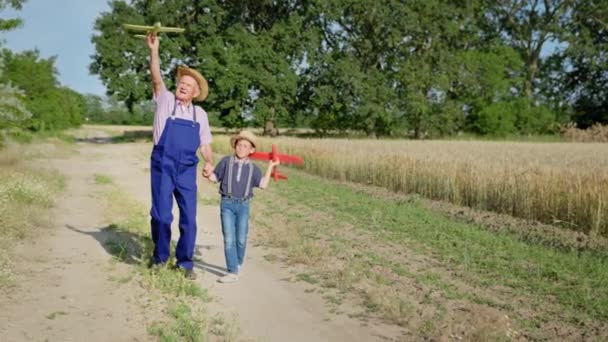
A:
{"x":558,"y":183}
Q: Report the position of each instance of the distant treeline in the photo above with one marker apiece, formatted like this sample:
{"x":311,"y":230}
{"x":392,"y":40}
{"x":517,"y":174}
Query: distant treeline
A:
{"x":32,"y":99}
{"x":112,"y":111}
{"x":420,"y":67}
{"x":48,"y":105}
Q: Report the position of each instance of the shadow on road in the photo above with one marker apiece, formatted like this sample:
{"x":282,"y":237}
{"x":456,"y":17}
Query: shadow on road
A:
{"x":126,"y":137}
{"x":132,"y":248}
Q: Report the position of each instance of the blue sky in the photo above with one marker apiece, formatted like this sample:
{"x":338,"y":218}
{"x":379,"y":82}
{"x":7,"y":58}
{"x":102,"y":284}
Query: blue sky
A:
{"x":61,"y":28}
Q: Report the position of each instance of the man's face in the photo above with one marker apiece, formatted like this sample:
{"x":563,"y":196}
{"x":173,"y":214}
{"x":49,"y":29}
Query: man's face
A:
{"x":243,"y":148}
{"x":187,"y":89}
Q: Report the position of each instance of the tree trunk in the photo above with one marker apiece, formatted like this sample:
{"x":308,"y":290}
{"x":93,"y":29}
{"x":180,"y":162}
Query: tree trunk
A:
{"x":270,"y":129}
{"x":269,"y":126}
{"x":531,"y":70}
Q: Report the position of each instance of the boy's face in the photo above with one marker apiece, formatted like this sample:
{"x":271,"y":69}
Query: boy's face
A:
{"x":243,"y":148}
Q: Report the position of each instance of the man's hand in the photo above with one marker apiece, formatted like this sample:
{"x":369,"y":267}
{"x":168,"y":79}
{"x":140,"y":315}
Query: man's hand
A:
{"x":207,"y":169}
{"x":152,"y":40}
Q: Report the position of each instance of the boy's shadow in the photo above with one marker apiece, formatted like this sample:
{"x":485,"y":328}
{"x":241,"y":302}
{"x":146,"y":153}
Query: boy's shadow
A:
{"x":214,"y":269}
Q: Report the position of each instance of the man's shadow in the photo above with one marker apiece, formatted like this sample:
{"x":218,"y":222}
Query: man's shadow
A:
{"x":131,"y":248}
{"x":124,"y":246}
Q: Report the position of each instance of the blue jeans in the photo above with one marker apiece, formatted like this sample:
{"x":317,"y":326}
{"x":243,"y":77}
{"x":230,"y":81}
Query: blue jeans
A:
{"x":235,"y":226}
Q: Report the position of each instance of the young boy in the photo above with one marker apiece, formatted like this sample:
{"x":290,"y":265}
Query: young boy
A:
{"x":238,"y":176}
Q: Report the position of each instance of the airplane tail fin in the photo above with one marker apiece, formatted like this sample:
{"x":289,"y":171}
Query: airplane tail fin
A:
{"x":276,"y":175}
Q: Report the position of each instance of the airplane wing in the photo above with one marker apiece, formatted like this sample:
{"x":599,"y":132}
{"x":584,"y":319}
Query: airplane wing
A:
{"x":171,"y":29}
{"x":289,"y":159}
{"x":260,"y":155}
{"x":138,"y":27}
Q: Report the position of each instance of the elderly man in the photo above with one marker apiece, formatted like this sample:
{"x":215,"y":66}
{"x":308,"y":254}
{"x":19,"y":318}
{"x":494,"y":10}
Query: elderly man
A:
{"x":180,"y":129}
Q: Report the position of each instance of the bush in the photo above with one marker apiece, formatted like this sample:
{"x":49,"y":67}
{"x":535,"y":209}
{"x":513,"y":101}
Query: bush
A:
{"x":595,"y":133}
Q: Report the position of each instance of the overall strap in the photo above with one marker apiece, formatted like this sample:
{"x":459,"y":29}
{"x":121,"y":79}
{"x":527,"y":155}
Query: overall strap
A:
{"x":230,"y":166}
{"x":193,"y":111}
{"x":173,"y":112}
{"x":248,"y":181}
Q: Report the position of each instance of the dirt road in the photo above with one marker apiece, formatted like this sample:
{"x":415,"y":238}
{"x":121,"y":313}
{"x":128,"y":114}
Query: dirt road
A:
{"x":65,"y":289}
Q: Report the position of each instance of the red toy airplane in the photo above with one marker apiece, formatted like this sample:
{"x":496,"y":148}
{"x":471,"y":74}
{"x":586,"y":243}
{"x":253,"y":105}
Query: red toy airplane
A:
{"x":274,"y":155}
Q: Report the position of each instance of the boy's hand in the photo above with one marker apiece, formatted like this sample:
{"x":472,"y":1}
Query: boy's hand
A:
{"x":266,"y":179}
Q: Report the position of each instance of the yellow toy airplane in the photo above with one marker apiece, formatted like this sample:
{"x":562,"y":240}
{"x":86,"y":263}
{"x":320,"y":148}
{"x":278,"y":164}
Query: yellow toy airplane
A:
{"x":157,"y":28}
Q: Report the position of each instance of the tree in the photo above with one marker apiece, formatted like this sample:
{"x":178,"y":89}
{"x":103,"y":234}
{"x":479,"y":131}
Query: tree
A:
{"x":245,"y":48}
{"x":120,"y":59}
{"x":482,"y":84}
{"x":52,"y":106}
{"x":10,"y":24}
{"x":94,"y":112}
{"x":352,"y":41}
{"x":73,"y":105}
{"x":12,"y":108}
{"x":445,"y":69}
{"x":586,"y":62}
{"x":380,"y":67}
{"x":527,"y":25}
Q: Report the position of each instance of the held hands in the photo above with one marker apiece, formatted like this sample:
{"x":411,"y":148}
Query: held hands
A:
{"x":207,"y":170}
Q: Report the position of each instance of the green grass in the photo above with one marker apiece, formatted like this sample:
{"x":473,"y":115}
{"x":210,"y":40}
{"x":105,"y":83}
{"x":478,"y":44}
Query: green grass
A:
{"x":306,"y":277}
{"x":501,"y":259}
{"x":575,"y":281}
{"x":210,"y":201}
{"x":102,"y":179}
{"x":24,"y":136}
{"x":185,"y":325}
{"x":129,"y":242}
{"x":27,"y":194}
{"x":55,"y":314}
{"x":270,"y":257}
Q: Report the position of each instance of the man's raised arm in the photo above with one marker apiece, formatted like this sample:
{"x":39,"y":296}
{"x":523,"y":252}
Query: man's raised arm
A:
{"x":157,"y":80}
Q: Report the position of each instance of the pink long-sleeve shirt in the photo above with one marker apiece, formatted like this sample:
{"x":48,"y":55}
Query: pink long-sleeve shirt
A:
{"x":165,"y":100}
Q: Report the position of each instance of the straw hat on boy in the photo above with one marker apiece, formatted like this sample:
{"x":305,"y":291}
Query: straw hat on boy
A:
{"x":247,"y":135}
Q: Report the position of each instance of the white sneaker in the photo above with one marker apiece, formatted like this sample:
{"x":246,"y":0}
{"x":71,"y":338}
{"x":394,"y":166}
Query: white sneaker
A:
{"x":229,"y":278}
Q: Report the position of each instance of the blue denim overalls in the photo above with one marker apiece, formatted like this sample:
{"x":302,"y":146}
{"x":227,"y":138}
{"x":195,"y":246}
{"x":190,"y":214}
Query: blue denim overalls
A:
{"x":173,"y":172}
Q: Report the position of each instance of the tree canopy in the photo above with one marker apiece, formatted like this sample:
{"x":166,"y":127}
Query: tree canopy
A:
{"x":421,"y":67}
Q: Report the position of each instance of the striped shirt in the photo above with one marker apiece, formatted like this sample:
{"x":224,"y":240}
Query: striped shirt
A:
{"x":240,"y":177}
